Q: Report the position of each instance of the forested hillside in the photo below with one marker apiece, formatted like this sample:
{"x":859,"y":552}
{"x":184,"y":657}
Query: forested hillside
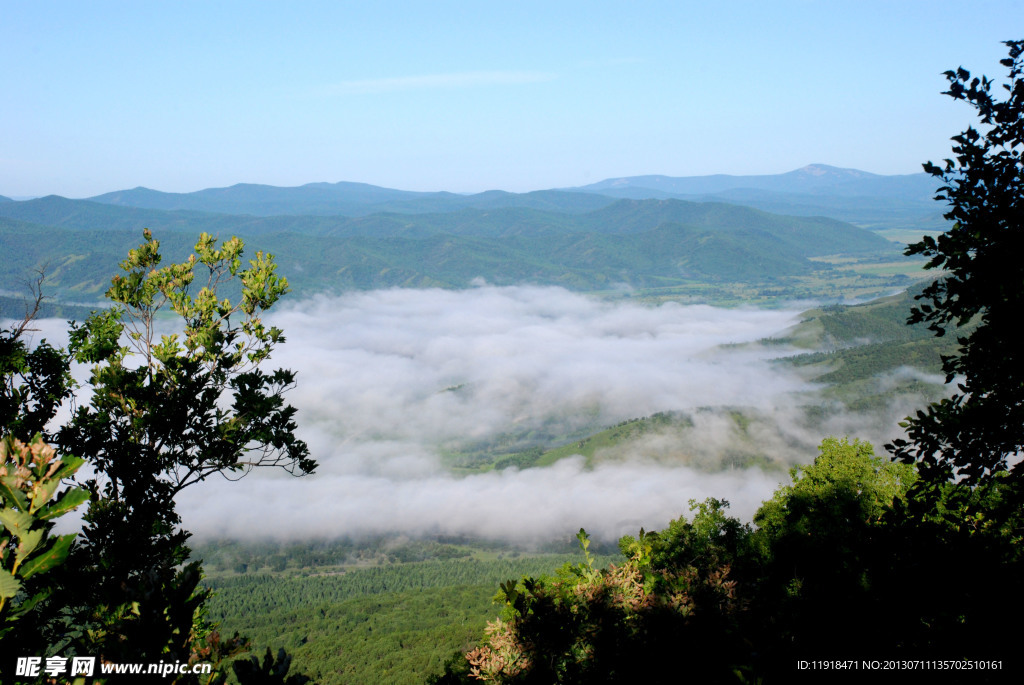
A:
{"x":389,"y":612}
{"x":710,"y":252}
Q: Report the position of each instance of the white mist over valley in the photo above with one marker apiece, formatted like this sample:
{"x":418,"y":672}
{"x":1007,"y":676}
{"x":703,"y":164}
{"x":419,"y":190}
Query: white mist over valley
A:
{"x":390,"y":381}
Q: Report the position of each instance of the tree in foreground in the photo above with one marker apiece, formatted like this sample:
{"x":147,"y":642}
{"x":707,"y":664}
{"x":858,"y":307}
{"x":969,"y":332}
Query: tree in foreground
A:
{"x":170,"y":410}
{"x":166,"y":411}
{"x":712,"y":599}
{"x":976,"y":435}
{"x":628,"y":622}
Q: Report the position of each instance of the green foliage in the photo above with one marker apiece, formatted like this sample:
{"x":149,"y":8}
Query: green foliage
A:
{"x":168,"y":411}
{"x":866,"y":350}
{"x":535,"y":447}
{"x":273,"y":670}
{"x":673,"y":600}
{"x":864,"y":340}
{"x":826,"y":546}
{"x":846,"y":485}
{"x":710,"y":540}
{"x":165,"y":412}
{"x":973,"y":434}
{"x":157,"y":421}
{"x":834,"y":564}
{"x":258,"y":595}
{"x":33,"y":381}
{"x":30,"y":475}
{"x":155,"y":618}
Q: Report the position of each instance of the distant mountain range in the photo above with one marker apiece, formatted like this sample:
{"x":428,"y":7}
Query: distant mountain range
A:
{"x":818,"y":179}
{"x":869,"y":200}
{"x":636,"y":243}
{"x":346,"y":199}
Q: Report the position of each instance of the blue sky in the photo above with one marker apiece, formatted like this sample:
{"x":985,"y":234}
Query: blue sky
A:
{"x":470,"y":96}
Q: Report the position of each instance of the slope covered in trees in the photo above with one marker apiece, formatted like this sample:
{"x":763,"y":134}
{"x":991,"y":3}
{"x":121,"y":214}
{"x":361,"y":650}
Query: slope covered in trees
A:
{"x":641,"y":244}
{"x":856,"y":342}
{"x":395,"y":623}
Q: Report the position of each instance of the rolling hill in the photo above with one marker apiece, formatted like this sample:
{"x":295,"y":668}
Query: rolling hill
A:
{"x":636,"y":243}
{"x":346,"y":199}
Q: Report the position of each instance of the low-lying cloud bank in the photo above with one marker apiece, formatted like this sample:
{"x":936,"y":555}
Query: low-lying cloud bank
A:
{"x":390,"y":381}
{"x":387,"y":380}
{"x":609,"y":501}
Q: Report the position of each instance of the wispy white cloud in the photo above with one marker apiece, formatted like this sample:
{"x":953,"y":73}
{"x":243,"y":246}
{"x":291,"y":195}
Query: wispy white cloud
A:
{"x":611,"y":62}
{"x":390,"y":380}
{"x":466,"y":79}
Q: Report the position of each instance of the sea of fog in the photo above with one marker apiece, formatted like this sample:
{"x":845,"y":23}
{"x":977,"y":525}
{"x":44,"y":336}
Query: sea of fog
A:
{"x":387,"y":380}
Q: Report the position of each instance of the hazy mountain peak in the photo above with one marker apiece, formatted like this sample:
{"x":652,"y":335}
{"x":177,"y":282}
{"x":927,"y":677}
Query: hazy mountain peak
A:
{"x":832,"y":172}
